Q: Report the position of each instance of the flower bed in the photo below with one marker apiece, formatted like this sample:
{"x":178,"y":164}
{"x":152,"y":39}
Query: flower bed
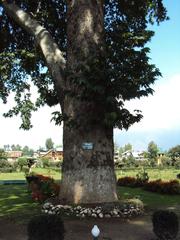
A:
{"x":42,"y":187}
{"x":165,"y":187}
{"x":169,"y":187}
{"x":128,"y":209}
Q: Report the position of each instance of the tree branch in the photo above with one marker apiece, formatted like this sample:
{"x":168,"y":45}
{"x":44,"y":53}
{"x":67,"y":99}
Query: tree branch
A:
{"x":54,"y":57}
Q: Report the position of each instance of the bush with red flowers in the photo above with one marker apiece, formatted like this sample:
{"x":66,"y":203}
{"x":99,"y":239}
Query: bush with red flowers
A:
{"x":168,"y":187}
{"x":127,"y":182}
{"x":164,"y":187}
{"x":42,"y":187}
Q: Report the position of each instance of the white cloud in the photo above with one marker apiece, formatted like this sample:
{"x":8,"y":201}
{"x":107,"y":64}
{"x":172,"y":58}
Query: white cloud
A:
{"x":43,"y":129}
{"x":161,"y":110}
{"x":35,"y":137}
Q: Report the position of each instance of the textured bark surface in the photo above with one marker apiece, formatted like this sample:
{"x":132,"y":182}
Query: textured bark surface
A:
{"x":88,"y":175}
{"x":53,"y":55}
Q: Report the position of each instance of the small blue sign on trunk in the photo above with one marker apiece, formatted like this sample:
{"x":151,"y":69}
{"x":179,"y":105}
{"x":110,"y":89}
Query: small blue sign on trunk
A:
{"x":87,"y":146}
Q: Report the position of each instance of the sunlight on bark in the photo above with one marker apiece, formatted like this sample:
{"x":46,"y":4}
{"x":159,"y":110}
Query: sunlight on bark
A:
{"x":78,"y":192}
{"x":86,"y":25}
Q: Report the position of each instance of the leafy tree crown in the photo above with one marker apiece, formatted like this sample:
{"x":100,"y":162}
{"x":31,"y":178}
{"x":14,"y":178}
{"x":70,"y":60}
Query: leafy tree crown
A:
{"x":126,"y":72}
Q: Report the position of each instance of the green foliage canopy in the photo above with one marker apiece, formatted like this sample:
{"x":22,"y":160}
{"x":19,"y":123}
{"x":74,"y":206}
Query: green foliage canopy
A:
{"x":49,"y":144}
{"x":152,"y":150}
{"x":126,"y":72}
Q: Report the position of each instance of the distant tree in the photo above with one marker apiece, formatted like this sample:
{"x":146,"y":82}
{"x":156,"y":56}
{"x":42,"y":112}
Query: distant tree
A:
{"x":116,"y":147}
{"x":3,"y":155}
{"x":27,"y":151}
{"x":174,"y":154}
{"x":152,"y":152}
{"x":16,"y":147}
{"x":41,"y":149}
{"x":125,"y":148}
{"x":7,"y":147}
{"x":128,"y":147}
{"x":49,"y":144}
{"x":22,"y":162}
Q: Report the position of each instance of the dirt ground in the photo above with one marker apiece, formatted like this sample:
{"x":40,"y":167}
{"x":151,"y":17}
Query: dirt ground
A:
{"x":115,"y":229}
{"x":139,"y":228}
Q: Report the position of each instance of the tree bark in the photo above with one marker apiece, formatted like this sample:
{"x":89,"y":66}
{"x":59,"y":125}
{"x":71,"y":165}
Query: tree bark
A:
{"x":53,"y":55}
{"x":87,"y":174}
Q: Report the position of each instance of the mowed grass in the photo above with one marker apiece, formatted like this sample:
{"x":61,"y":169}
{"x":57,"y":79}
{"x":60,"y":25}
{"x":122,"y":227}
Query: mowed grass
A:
{"x":164,"y":174}
{"x":17,"y":204}
{"x":154,"y":174}
{"x":151,"y":200}
{"x":21,"y":175}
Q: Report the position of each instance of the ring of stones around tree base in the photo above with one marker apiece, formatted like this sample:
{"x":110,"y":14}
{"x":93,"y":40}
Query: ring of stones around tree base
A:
{"x":128,"y":209}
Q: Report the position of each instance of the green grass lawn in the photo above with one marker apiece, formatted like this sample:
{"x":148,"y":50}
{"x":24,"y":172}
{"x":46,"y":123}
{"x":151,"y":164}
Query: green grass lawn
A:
{"x":16,"y":203}
{"x":164,"y":174}
{"x":151,"y":200}
{"x":21,"y":176}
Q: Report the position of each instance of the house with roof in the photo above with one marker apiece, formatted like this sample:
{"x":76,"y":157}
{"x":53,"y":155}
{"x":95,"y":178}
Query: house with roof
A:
{"x":137,"y":155}
{"x":52,"y":154}
{"x":13,"y":155}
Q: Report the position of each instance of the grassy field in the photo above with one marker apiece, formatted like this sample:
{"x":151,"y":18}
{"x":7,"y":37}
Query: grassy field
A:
{"x":165,"y":174}
{"x":16,"y":203}
{"x":21,"y":176}
{"x":154,"y":174}
{"x":151,"y":200}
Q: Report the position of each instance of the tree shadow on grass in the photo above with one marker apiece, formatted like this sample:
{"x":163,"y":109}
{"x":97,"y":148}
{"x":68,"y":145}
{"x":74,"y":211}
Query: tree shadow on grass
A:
{"x":16,"y":203}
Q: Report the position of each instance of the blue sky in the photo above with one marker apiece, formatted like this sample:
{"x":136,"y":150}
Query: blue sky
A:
{"x":161,"y":122}
{"x":161,"y":111}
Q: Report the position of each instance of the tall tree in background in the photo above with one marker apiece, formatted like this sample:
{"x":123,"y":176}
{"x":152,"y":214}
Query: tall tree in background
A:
{"x":96,"y":60}
{"x":49,"y":144}
{"x":27,"y":151}
{"x":16,"y":147}
{"x":174,"y":154}
{"x":152,"y":152}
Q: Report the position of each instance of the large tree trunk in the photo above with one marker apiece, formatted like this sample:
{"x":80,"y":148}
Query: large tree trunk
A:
{"x":88,"y":174}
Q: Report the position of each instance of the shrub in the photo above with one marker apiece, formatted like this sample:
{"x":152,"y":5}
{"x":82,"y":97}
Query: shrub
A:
{"x":142,"y":177}
{"x":46,"y":227}
{"x":177,"y":164}
{"x":6,"y":170}
{"x":42,"y":187}
{"x":178,"y":175}
{"x":25,"y":169}
{"x":39,"y":163}
{"x":127,"y":181}
{"x":4,"y":163}
{"x":55,"y":164}
{"x":165,"y":225}
{"x":45,"y":162}
{"x":170,"y":187}
{"x":22,"y":162}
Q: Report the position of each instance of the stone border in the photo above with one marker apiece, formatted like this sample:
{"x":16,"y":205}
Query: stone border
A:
{"x":128,"y":209}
